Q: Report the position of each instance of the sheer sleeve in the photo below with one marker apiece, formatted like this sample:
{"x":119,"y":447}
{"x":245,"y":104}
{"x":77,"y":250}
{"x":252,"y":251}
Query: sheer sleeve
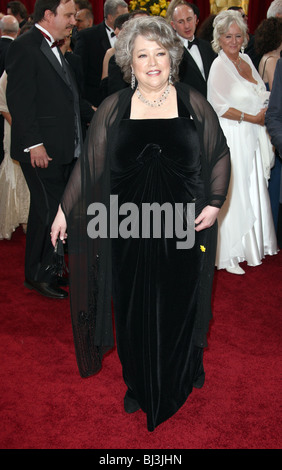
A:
{"x":90,"y":259}
{"x":228,"y":89}
{"x":220,"y":84}
{"x":215,"y":156}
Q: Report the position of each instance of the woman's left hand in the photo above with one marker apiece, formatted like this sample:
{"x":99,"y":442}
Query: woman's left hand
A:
{"x":206,"y":218}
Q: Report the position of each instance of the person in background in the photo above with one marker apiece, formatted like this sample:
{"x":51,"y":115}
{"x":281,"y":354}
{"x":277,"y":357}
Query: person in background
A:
{"x":79,"y":6}
{"x":86,"y":109}
{"x":9,"y":31}
{"x":19,"y":11}
{"x":115,"y":80}
{"x":250,"y":47}
{"x":118,"y":24}
{"x":275,"y":9}
{"x":159,"y":142}
{"x":84,"y":19}
{"x":198,"y":54}
{"x":9,"y":27}
{"x":14,"y":193}
{"x":238,"y":95}
{"x":273,"y":121}
{"x":92,"y":44}
{"x":268,"y":43}
{"x":14,"y":197}
{"x":205,"y":30}
{"x":46,"y":131}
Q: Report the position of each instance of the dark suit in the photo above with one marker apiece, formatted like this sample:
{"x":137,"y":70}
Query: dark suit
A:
{"x":86,"y":110}
{"x":43,"y":101}
{"x":273,"y":121}
{"x":190,"y":73}
{"x":4,"y":44}
{"x":91,"y":45}
{"x":273,"y":118}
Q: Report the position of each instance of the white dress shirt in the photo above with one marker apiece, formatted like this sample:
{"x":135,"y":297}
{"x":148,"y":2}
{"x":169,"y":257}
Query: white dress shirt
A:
{"x":109,"y":33}
{"x":195,"y":53}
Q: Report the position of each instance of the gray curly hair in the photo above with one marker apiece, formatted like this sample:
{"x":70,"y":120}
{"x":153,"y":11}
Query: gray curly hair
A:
{"x":153,"y":28}
{"x":222,"y":23}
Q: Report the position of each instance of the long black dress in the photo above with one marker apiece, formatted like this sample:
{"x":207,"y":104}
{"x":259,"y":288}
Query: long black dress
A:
{"x":161,"y":294}
{"x":155,"y":284}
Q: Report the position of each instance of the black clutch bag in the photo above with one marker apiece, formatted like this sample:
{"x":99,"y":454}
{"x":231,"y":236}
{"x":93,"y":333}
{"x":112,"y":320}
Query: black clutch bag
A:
{"x":57,"y":266}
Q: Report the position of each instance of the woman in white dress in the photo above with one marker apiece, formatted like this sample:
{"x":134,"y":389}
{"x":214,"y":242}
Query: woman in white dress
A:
{"x":14,"y":193}
{"x":239,"y":97}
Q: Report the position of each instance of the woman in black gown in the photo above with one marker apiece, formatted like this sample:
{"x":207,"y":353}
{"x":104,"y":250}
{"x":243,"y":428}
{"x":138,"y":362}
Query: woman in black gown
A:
{"x":158,"y":142}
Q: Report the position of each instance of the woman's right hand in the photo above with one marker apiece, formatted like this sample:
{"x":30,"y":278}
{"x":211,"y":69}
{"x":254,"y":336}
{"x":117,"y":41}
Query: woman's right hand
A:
{"x":260,"y":117}
{"x":59,"y":227}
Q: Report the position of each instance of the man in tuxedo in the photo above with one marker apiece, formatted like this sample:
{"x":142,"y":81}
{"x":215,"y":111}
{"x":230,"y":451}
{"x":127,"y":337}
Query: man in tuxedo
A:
{"x":46,"y":133}
{"x":92,"y":44}
{"x":9,"y":27}
{"x":9,"y":30}
{"x":84,"y":19}
{"x":198,"y":53}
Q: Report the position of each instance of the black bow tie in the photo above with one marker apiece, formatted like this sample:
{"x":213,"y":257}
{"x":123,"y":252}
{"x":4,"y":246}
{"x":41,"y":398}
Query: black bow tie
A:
{"x":55,"y":43}
{"x":58,"y":43}
{"x":192,"y":43}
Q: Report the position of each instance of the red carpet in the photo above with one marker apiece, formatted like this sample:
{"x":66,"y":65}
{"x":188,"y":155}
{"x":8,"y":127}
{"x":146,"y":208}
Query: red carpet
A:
{"x":46,"y":405}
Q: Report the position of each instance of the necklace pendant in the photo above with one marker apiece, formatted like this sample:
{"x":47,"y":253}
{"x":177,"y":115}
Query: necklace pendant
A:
{"x":155,"y":103}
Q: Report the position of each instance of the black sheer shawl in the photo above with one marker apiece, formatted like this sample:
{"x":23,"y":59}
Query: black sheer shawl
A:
{"x":90,"y":259}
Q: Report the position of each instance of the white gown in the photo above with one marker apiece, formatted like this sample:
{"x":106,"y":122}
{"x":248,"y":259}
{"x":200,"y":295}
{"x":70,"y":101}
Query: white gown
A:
{"x":246,"y":229}
{"x":14,"y":193}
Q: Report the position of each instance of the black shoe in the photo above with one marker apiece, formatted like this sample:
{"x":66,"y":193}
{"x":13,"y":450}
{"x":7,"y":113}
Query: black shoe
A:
{"x":62,"y":281}
{"x":130,"y":404}
{"x":200,"y":381}
{"x":48,"y":290}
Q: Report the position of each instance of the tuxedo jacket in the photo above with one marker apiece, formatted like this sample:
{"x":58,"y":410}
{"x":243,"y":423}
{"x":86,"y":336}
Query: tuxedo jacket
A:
{"x":190,"y":73}
{"x":4,"y":44}
{"x":39,"y":99}
{"x":91,"y":45}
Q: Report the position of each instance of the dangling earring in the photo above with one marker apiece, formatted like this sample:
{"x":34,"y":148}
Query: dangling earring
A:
{"x":132,"y":80}
{"x":242,"y":50}
{"x":170,"y":78}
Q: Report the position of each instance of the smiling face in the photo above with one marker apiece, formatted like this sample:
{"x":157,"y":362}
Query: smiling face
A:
{"x":184,"y":21}
{"x":151,"y":64}
{"x":231,"y":41}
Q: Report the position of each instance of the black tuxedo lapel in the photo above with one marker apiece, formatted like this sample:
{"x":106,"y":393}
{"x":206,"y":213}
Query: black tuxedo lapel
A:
{"x":46,"y":49}
{"x":104,"y":38}
{"x":206,"y":62}
{"x":191,"y":64}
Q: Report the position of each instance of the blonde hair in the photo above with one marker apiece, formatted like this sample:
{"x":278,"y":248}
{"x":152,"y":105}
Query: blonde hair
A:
{"x":222,"y":23}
